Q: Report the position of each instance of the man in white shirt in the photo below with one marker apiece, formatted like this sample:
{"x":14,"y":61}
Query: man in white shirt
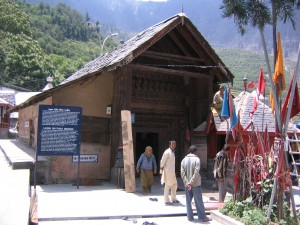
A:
{"x":168,"y":175}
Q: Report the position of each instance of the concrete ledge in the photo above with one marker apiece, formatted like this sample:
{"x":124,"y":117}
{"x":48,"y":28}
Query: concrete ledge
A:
{"x":223,"y":219}
{"x":18,"y":154}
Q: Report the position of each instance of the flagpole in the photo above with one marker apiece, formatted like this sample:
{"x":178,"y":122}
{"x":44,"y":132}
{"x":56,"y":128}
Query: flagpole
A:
{"x":289,"y":109}
{"x":284,"y":134}
{"x":287,"y":119}
{"x":263,"y":118}
{"x":273,"y":87}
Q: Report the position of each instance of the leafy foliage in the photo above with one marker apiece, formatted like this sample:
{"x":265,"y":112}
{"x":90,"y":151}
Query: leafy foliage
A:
{"x":23,"y":62}
{"x":26,"y":64}
{"x":258,"y":13}
{"x":60,"y":22}
{"x":248,"y":213}
{"x":13,"y":19}
{"x":40,"y":41}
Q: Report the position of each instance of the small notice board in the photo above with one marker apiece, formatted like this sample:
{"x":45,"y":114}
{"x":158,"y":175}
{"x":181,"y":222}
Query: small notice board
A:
{"x":59,"y":130}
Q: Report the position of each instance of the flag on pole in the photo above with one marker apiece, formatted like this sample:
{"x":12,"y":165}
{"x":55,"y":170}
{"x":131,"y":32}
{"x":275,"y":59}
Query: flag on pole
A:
{"x":225,"y":107}
{"x":228,"y":111}
{"x":296,"y":102}
{"x":278,"y":76}
{"x":251,"y":85}
{"x":259,"y":90}
{"x":233,"y":117}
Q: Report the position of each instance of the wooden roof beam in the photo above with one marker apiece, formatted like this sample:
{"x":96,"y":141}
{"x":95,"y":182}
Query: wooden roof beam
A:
{"x":203,"y":54}
{"x":164,"y":56}
{"x":179,"y":43}
{"x":169,"y":71}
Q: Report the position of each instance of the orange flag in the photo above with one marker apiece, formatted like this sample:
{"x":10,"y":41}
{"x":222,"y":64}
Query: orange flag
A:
{"x":278,"y":77}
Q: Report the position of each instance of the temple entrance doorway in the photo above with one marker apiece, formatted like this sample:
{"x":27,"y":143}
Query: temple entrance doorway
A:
{"x":144,"y":139}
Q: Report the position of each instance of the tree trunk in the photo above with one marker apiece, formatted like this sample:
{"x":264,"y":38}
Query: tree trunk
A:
{"x":277,"y":110}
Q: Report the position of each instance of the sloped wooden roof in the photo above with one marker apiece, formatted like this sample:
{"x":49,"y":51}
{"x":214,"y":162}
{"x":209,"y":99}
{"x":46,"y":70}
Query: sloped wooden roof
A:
{"x":137,"y":45}
{"x":179,"y":30}
{"x":262,"y":116}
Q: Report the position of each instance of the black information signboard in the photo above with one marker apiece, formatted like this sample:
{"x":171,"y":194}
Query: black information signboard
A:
{"x":59,"y":129}
{"x":119,"y":163}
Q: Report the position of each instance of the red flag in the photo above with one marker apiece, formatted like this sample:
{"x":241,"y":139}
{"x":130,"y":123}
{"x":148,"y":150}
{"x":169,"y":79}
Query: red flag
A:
{"x":251,"y":85}
{"x":296,"y":102}
{"x":260,"y":89}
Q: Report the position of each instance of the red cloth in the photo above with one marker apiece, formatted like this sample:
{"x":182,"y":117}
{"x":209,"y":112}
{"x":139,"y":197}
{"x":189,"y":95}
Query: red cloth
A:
{"x":251,"y":85}
{"x":296,"y":102}
{"x":260,"y":89}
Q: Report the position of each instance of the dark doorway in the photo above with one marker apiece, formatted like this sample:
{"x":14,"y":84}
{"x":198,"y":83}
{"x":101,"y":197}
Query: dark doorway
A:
{"x":144,"y":139}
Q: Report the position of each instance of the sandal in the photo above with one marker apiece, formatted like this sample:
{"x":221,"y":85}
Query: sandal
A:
{"x":206,"y":219}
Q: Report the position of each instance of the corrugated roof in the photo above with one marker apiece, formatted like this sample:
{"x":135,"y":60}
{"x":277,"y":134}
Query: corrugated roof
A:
{"x":3,"y":102}
{"x":263,"y":116}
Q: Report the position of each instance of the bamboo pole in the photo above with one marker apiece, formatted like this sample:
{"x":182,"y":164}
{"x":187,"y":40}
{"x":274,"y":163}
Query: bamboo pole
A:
{"x":277,"y":110}
{"x":287,"y":119}
{"x":284,"y":134}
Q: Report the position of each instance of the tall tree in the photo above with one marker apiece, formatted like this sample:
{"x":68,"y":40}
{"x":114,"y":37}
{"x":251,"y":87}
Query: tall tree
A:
{"x":13,"y":19}
{"x":259,"y":13}
{"x":23,"y":63}
{"x":26,"y":65}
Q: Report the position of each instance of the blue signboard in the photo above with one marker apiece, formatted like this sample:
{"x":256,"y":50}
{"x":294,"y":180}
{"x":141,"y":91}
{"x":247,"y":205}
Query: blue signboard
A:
{"x":59,"y":129}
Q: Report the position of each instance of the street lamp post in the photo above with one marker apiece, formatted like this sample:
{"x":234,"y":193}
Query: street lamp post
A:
{"x":111,"y":35}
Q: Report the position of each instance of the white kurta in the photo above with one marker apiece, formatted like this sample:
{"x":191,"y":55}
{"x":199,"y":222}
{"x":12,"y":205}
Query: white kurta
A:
{"x":167,"y":162}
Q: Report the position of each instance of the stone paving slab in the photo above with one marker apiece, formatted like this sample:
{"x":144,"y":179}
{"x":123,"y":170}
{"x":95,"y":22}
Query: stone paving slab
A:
{"x":17,"y":154}
{"x":14,"y":194}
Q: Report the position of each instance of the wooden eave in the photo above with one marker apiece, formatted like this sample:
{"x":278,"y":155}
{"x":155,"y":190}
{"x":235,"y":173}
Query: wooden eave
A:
{"x":48,"y":93}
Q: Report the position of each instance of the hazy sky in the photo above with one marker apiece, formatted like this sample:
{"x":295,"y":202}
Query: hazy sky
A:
{"x":152,"y":0}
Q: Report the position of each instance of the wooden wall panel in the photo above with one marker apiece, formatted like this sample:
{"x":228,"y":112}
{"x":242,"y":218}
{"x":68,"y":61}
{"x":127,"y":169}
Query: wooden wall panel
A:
{"x":95,"y":130}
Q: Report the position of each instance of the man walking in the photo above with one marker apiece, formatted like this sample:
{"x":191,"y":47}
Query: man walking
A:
{"x":168,"y":175}
{"x":190,"y":174}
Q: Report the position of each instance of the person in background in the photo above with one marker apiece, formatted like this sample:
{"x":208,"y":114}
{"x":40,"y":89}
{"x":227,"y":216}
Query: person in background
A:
{"x":218,"y":98}
{"x":190,"y":174}
{"x":220,"y":171}
{"x":168,"y":175}
{"x":147,"y":166}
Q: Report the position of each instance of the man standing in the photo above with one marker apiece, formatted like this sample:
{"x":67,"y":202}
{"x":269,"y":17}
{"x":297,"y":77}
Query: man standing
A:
{"x":218,"y":98}
{"x":190,"y":174}
{"x":168,"y":175}
{"x":220,"y":171}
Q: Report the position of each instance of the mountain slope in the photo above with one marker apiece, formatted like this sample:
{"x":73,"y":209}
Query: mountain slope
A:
{"x":135,"y":16}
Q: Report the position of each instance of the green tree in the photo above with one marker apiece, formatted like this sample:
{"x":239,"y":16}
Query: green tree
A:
{"x":13,"y":19}
{"x":26,"y":65}
{"x":22,"y":61}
